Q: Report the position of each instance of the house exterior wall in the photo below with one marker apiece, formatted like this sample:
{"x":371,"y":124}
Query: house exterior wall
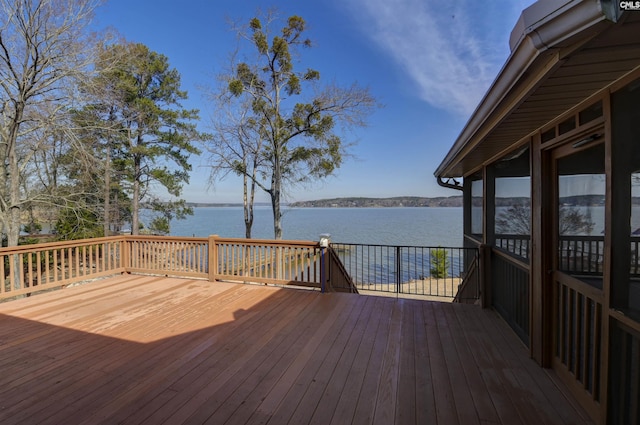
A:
{"x":577,"y":309}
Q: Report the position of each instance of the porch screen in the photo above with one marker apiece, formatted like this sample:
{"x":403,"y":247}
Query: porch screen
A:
{"x":580,"y":214}
{"x":625,"y":112}
{"x":513,"y":203}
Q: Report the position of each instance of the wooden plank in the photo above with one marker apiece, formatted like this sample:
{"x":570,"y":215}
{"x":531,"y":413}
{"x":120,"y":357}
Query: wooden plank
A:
{"x":321,"y":366}
{"x":443,"y":391}
{"x":462,"y":399}
{"x":345,"y":409}
{"x":159,"y":397}
{"x":365,"y":406}
{"x":337,"y":389}
{"x":538,"y":400}
{"x":141,"y":349}
{"x":207,"y":369}
{"x":387,"y":398}
{"x":479,"y":334}
{"x":425,"y":391}
{"x":323,"y":349}
{"x":283,"y":393}
{"x":155,"y":397}
{"x":137,"y":367}
{"x":313,"y":324}
{"x":484,"y":407}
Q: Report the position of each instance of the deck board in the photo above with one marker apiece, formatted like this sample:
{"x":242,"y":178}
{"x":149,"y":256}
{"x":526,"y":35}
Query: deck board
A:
{"x":152,"y":350}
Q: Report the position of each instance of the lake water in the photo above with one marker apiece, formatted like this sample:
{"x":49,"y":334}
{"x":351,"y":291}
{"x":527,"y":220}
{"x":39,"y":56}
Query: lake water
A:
{"x":383,"y":226}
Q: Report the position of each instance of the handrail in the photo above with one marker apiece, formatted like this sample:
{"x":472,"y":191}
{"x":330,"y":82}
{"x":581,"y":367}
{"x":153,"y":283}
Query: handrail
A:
{"x":167,"y":255}
{"x":469,"y":289}
{"x":338,"y":277}
{"x":281,"y":262}
{"x":432,"y":271}
{"x":31,"y":268}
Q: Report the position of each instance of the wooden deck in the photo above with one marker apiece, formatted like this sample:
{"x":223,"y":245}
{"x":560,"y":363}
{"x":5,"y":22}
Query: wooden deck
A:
{"x":151,"y":350}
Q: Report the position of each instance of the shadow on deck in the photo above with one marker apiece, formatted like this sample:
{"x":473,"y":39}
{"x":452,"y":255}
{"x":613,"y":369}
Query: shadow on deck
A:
{"x":141,"y":349}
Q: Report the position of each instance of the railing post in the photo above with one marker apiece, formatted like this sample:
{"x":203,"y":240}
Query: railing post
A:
{"x":213,"y":258}
{"x":323,"y":270}
{"x":324,"y":244}
{"x":398,"y":269}
{"x":125,"y":256}
{"x":485,"y":274}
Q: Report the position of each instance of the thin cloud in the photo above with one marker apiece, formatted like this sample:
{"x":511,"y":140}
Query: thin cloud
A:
{"x":452,"y":51}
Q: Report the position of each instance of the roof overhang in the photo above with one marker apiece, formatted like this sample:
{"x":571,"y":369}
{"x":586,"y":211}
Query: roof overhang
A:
{"x":560,"y":56}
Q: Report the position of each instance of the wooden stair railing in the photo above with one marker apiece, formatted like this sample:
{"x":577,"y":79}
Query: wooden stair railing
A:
{"x":469,"y":288}
{"x":338,"y":278}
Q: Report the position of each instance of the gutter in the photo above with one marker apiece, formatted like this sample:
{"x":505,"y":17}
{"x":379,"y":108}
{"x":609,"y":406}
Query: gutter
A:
{"x":542,"y":27}
{"x":455,"y":185}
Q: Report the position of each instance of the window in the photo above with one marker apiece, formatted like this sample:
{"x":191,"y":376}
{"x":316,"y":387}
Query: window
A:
{"x":580,"y":213}
{"x":477,"y":190}
{"x":513,"y":203}
{"x":625,"y":110}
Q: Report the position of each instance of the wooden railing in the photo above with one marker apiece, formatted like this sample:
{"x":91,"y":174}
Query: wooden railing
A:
{"x":510,"y":294}
{"x":582,"y":254}
{"x":469,"y":289}
{"x":578,"y":322}
{"x":338,"y":278}
{"x":624,"y":374}
{"x":300,"y":263}
{"x":30,"y":268}
{"x":517,"y":245}
{"x":168,"y":255}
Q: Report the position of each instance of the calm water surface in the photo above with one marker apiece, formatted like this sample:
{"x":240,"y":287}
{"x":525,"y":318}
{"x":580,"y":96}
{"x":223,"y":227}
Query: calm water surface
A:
{"x":384,"y":226}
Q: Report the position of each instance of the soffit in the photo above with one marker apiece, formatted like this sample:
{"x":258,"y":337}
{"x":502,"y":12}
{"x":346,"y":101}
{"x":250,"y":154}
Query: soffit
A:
{"x":555,"y":81}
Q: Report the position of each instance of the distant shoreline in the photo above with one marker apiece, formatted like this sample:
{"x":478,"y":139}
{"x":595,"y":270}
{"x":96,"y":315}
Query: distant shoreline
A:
{"x":399,"y":201}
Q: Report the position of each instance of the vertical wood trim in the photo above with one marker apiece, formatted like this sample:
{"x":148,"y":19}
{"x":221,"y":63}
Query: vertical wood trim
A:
{"x":485,"y":274}
{"x":547,"y":244}
{"x":76,"y":252}
{"x":126,"y":255}
{"x":489,"y":206}
{"x":2,"y":273}
{"x":608,"y":251}
{"x":30,"y":269}
{"x":47,"y":260}
{"x":103,"y":257}
{"x":38,"y":267}
{"x":542,"y":248}
{"x":466,"y":206}
{"x":55,"y":264}
{"x":589,"y":340}
{"x":213,"y":258}
{"x":537,"y":331}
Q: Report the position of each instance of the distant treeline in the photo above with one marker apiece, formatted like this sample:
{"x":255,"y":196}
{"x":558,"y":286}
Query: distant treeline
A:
{"x":416,"y":201}
{"x":222,"y":204}
{"x":399,"y":201}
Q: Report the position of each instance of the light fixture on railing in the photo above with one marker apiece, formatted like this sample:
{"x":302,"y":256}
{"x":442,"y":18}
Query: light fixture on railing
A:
{"x":586,"y":140}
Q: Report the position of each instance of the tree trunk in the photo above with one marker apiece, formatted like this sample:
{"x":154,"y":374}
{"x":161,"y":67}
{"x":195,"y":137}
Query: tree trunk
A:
{"x":13,"y":230}
{"x":107,"y":191}
{"x":248,"y":207}
{"x":13,"y":227}
{"x":276,"y":183}
{"x":135,"y":202}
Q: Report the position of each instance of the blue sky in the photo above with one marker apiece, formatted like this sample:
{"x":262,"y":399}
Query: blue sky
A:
{"x":427,"y":61}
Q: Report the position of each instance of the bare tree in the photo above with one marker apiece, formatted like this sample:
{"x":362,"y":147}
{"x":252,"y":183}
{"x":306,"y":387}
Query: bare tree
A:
{"x":43,"y":46}
{"x":300,"y":141}
{"x":236,"y":148}
{"x":516,"y":220}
